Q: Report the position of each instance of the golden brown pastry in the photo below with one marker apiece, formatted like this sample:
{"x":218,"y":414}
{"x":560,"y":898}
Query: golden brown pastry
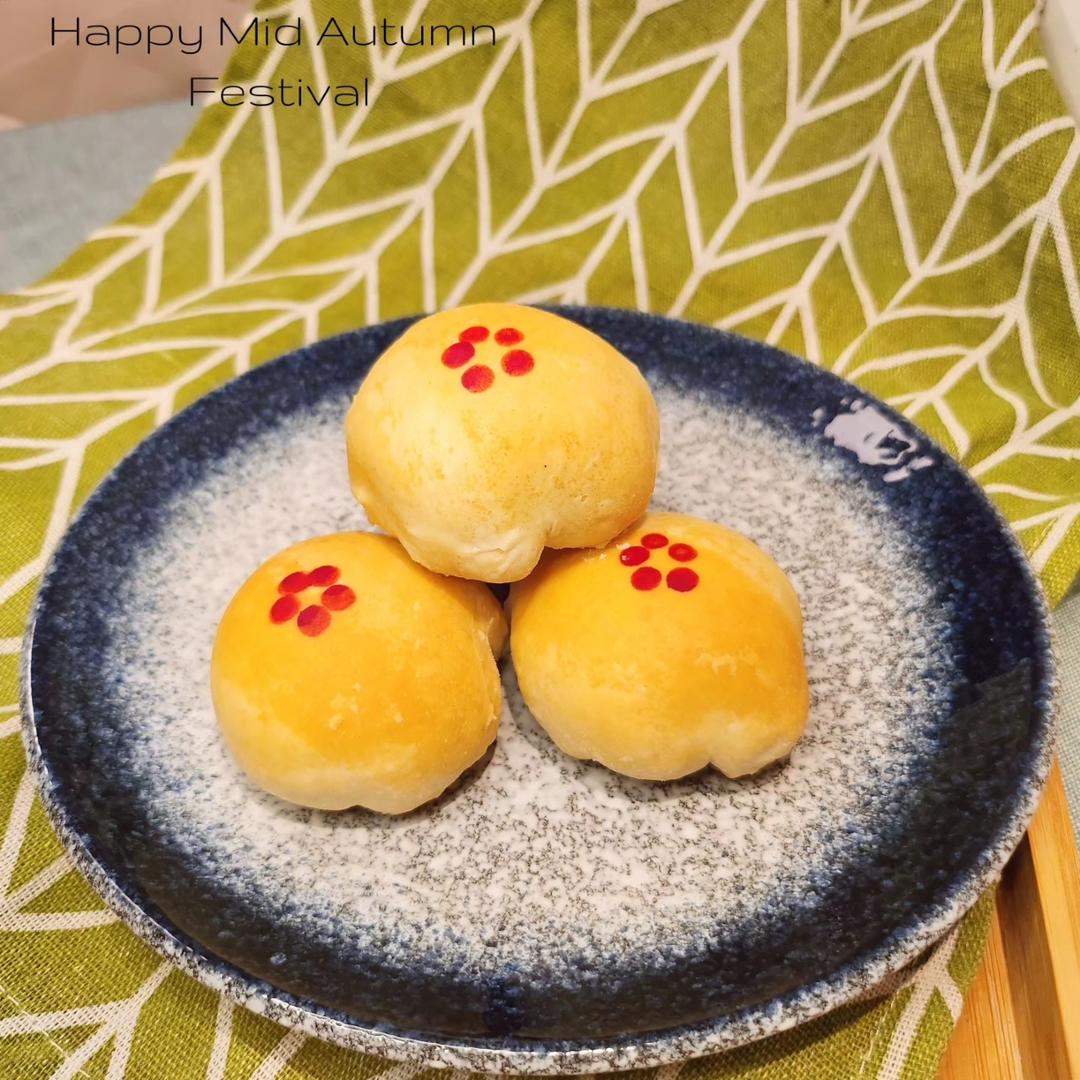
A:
{"x":485,"y":433}
{"x":677,"y":646}
{"x":343,"y":674}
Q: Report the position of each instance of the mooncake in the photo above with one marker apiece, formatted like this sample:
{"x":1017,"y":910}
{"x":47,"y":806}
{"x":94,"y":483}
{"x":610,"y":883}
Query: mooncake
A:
{"x":343,"y":674}
{"x":677,"y":646}
{"x":486,"y":433}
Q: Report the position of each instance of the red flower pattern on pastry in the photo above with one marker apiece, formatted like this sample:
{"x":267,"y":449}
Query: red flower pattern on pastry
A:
{"x":647,"y":578}
{"x":479,"y":377}
{"x":312,"y":619}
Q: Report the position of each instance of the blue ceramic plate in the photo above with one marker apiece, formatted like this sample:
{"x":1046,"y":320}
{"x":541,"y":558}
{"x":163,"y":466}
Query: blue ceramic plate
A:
{"x":548,"y":915}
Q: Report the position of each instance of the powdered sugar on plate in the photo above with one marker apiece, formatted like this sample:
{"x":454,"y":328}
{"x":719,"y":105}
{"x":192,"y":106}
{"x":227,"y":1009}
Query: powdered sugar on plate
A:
{"x":541,"y":860}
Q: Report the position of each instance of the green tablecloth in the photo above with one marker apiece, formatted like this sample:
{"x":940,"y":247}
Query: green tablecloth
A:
{"x":890,"y":189}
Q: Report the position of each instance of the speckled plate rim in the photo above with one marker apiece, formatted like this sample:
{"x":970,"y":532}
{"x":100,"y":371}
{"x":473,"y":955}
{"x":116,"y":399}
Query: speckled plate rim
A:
{"x":508,"y":1055}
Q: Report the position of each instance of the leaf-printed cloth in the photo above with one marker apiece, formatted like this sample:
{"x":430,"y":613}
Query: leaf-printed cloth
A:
{"x":888,"y":188}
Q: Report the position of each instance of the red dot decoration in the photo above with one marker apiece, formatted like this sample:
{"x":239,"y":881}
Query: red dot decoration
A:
{"x":682,"y":552}
{"x":517,"y":362}
{"x":682,"y":579}
{"x":284,"y":608}
{"x":338,"y":597}
{"x":461,"y":352}
{"x":645,"y":578}
{"x":478,"y":378}
{"x":293,"y":583}
{"x":313,"y":620}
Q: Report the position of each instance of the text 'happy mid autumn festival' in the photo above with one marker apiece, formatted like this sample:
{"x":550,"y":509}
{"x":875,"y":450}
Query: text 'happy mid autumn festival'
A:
{"x":189,"y":39}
